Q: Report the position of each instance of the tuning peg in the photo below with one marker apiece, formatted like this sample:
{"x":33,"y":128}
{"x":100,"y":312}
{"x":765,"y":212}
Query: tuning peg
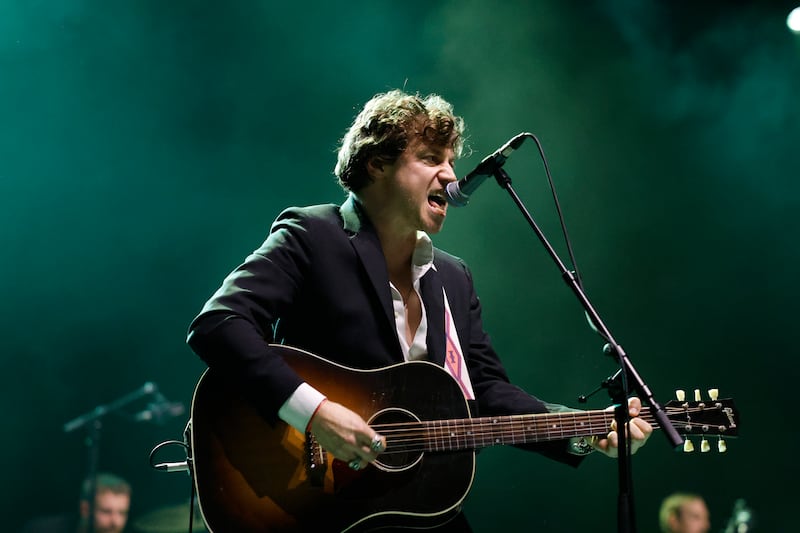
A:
{"x":680,"y":394}
{"x":713,"y":394}
{"x":705,"y":447}
{"x":721,"y":446}
{"x":697,"y":396}
{"x":688,"y":447}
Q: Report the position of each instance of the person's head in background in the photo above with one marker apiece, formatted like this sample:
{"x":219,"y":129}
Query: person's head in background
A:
{"x":683,"y":512}
{"x":112,"y":501}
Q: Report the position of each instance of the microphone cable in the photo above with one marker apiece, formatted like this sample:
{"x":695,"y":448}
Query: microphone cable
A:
{"x":562,"y":223}
{"x":178,"y":466}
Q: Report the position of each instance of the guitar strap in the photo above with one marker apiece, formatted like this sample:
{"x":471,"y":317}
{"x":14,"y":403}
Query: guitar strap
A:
{"x":454,"y":358}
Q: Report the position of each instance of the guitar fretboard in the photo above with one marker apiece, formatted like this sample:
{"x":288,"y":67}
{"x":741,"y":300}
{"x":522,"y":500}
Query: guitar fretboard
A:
{"x":476,"y":433}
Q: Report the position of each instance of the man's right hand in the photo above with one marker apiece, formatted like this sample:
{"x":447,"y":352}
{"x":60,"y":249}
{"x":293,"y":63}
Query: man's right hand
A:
{"x":346,"y":435}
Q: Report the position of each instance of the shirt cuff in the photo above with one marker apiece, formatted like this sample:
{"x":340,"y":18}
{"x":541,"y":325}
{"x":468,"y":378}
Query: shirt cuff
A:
{"x":301,"y":406}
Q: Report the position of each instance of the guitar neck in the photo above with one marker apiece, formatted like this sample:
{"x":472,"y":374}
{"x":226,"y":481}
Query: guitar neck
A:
{"x":477,"y":433}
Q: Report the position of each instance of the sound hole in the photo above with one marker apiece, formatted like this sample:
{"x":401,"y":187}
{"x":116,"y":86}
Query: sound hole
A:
{"x":404,"y":439}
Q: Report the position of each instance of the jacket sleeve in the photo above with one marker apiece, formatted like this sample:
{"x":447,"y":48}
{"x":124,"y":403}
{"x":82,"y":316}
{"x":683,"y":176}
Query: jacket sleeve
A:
{"x":233,"y":332}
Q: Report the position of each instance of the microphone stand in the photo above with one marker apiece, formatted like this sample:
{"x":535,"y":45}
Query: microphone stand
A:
{"x":94,"y":423}
{"x":626,"y":380}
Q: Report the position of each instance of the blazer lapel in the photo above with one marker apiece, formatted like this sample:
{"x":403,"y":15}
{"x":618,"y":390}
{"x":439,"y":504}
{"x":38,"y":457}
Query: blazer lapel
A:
{"x":368,"y":248}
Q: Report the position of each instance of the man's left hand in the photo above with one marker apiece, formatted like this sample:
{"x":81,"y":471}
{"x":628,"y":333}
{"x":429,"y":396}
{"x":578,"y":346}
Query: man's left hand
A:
{"x":640,"y":431}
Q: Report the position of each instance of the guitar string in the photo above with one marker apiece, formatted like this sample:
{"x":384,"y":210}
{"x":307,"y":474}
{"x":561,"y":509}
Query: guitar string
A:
{"x":455,"y":443}
{"x":469,"y":433}
{"x":550,"y":417}
{"x":443,"y":435}
{"x":531,"y":422}
{"x":424,"y":442}
{"x":547,"y":419}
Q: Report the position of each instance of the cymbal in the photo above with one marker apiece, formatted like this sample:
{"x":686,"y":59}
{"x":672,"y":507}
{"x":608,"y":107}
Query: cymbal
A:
{"x":172,"y":519}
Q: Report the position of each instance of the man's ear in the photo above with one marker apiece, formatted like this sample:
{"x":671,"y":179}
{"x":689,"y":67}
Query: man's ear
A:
{"x":375,"y":167}
{"x":84,"y":507}
{"x":674,"y":523}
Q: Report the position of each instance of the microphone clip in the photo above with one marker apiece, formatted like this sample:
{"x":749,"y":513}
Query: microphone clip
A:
{"x":458,"y":192}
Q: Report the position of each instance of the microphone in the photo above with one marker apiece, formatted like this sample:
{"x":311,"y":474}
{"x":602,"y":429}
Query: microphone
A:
{"x":160,"y":410}
{"x":458,"y":192}
{"x":742,"y":519}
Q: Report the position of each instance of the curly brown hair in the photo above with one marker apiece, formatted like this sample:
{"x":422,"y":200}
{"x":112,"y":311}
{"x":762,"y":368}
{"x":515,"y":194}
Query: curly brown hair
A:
{"x":384,"y":128}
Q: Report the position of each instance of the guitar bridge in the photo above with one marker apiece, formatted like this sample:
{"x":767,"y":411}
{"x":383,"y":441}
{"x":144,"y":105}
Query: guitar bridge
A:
{"x":316,"y":461}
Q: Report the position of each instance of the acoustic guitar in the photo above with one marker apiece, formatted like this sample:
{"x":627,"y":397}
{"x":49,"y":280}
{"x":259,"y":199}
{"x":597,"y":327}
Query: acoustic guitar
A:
{"x":254,"y":477}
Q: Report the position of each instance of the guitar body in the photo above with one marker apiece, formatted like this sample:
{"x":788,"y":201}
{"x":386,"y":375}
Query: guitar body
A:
{"x":253,"y":477}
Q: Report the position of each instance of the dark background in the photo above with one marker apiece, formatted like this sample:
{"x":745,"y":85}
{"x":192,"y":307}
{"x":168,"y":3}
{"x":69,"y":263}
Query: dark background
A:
{"x":146,"y":146}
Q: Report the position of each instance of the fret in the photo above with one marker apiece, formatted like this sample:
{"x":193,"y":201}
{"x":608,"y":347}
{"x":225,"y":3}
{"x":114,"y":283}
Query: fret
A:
{"x":512,"y":426}
{"x":540,"y":428}
{"x":429,"y":436}
{"x":494,"y":432}
{"x":466,"y":434}
{"x":524,"y":428}
{"x":452,"y":435}
{"x":479,"y":432}
{"x":553,"y":428}
{"x":530,"y":432}
{"x":510,"y":429}
{"x":468,"y":431}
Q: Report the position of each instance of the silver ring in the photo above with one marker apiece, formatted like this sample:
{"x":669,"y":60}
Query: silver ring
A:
{"x":355,"y":464}
{"x":377,"y":443}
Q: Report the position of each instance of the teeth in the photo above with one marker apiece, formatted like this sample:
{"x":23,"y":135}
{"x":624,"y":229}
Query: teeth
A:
{"x":438,"y":198}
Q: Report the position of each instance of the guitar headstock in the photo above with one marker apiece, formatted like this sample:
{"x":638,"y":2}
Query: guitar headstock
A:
{"x":713,"y":417}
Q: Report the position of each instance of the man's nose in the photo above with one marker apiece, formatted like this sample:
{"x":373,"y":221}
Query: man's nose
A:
{"x":447,"y":174}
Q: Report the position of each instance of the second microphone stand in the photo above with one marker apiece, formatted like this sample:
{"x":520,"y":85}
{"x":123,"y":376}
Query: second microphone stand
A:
{"x":93,"y":421}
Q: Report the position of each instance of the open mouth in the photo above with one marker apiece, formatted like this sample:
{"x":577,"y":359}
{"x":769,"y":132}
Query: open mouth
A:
{"x":437,"y":200}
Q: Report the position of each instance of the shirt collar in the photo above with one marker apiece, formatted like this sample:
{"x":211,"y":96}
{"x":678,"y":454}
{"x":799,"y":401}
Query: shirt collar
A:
{"x":422,"y":259}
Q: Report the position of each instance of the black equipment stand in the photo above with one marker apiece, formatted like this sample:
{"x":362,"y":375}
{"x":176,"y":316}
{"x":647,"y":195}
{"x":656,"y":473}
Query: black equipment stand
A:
{"x":624,"y":382}
{"x":93,"y":421}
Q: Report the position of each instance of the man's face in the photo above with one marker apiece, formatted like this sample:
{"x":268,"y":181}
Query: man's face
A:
{"x":110,"y":511}
{"x":413,"y":187}
{"x":693,"y":518}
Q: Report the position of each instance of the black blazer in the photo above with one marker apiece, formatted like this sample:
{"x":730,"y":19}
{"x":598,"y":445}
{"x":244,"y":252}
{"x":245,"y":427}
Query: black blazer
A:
{"x":320,"y":282}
